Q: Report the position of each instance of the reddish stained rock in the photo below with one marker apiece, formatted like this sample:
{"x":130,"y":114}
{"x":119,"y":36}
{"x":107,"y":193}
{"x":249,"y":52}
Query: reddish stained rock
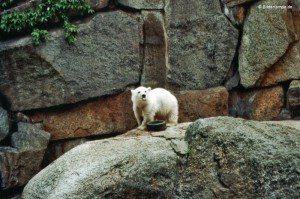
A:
{"x":200,"y":104}
{"x":285,"y":69}
{"x":264,"y":104}
{"x":113,"y":114}
{"x":239,"y":14}
{"x":107,"y":115}
{"x":235,"y":14}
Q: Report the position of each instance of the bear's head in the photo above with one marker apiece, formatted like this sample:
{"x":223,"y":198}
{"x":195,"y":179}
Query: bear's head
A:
{"x":140,"y":94}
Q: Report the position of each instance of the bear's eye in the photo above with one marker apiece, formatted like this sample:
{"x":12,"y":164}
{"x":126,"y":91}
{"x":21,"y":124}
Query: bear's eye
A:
{"x":139,"y":92}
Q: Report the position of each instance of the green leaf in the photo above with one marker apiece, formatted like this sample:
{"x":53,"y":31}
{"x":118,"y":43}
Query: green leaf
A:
{"x":46,"y":10}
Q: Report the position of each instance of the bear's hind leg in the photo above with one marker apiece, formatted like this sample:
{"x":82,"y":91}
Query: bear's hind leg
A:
{"x":172,"y":119}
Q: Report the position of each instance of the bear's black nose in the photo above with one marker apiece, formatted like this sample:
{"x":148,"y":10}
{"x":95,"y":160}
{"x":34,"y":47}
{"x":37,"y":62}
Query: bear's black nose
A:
{"x":143,"y":95}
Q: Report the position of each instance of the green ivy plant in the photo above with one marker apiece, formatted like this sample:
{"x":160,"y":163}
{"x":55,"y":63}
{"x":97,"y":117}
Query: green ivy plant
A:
{"x":46,"y":11}
{"x":39,"y":35}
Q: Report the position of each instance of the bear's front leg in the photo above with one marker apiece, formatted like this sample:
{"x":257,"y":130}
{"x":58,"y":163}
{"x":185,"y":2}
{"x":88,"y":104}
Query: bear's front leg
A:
{"x":148,"y":117}
{"x":138,"y":116}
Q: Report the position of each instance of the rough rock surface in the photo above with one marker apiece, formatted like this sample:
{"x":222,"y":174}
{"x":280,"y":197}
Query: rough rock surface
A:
{"x":104,"y":60}
{"x":236,"y":158}
{"x":56,"y":149}
{"x":4,"y":123}
{"x":173,"y":132}
{"x":202,"y":44}
{"x":235,"y":14}
{"x":287,"y":68}
{"x":204,"y":103}
{"x":263,"y":104}
{"x":109,"y":115}
{"x":17,"y":167}
{"x":276,"y":24}
{"x":33,"y":4}
{"x":114,"y":115}
{"x":231,"y":3}
{"x":142,"y":167}
{"x":98,"y":4}
{"x":225,"y":158}
{"x":296,"y":5}
{"x":29,"y":137}
{"x":143,"y":4}
{"x":19,"y":164}
{"x":293,"y":97}
{"x":25,"y":6}
{"x":154,"y":63}
{"x":290,"y":123}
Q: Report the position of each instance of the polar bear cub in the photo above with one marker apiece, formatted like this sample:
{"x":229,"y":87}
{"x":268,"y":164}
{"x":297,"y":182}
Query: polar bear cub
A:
{"x":149,"y":105}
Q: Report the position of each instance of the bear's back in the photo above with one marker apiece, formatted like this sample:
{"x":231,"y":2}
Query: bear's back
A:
{"x":163,"y":99}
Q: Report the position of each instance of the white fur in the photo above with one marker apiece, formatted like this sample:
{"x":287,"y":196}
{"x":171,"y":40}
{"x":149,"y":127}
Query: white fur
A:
{"x":149,"y":105}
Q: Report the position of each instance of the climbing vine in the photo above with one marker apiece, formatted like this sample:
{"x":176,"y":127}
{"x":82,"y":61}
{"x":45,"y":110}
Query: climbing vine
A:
{"x":46,"y":11}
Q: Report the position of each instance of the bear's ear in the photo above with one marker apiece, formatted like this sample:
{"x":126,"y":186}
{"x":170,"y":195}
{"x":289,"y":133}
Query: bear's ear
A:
{"x":149,"y":88}
{"x":132,"y":91}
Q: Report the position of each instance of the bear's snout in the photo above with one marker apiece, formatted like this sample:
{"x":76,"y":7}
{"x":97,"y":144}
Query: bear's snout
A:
{"x":143,"y":96}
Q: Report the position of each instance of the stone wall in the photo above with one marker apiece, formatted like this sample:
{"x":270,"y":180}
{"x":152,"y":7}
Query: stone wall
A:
{"x":244,"y":51}
{"x":220,"y":57}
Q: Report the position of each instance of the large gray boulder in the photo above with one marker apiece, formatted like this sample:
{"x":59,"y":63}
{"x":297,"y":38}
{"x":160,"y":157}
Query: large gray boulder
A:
{"x":237,"y":158}
{"x":202,"y":43}
{"x":103,"y":61}
{"x":266,"y":39}
{"x":127,"y":168}
{"x":225,"y":158}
